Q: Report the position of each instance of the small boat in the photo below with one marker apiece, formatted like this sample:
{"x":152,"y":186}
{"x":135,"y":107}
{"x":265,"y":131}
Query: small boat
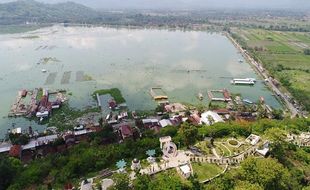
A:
{"x":44,"y":70}
{"x":108,"y":117}
{"x":240,"y":61}
{"x":247,"y":101}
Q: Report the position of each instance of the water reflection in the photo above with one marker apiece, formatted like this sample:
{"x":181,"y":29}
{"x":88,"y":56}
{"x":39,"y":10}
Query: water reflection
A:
{"x":182,"y":63}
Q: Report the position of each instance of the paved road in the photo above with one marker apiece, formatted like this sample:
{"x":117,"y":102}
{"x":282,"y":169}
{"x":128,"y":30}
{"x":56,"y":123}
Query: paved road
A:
{"x":263,"y":73}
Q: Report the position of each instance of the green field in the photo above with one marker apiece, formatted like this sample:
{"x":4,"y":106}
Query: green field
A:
{"x":282,"y":54}
{"x":205,"y":170}
{"x":114,"y":92}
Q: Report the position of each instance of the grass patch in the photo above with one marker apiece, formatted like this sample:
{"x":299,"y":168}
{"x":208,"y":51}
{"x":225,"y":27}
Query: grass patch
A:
{"x":233,"y":142}
{"x":39,"y":94}
{"x":221,"y":150}
{"x":114,"y":92}
{"x":217,"y":105}
{"x":206,"y":170}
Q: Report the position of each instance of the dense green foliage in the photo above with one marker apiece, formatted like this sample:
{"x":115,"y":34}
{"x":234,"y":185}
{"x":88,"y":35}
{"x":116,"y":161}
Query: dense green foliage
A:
{"x":288,"y":166}
{"x":9,"y":168}
{"x":163,"y":181}
{"x":18,"y":139}
{"x":77,"y":162}
{"x":121,"y":182}
{"x":256,"y":173}
{"x":114,"y":92}
{"x":188,"y":134}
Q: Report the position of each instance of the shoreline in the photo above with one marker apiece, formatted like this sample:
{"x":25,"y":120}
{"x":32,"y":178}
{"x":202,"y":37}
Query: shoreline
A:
{"x":262,"y":72}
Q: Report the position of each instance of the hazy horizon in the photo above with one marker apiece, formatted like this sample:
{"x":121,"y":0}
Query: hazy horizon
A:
{"x":188,"y":4}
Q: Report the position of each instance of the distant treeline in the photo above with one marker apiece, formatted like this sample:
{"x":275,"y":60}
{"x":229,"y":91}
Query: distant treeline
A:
{"x":21,"y":12}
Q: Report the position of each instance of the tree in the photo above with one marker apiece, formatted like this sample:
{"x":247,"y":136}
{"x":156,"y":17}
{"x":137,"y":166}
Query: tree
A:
{"x":268,"y":173}
{"x":195,"y":183}
{"x":121,"y":181}
{"x":142,"y":182}
{"x":20,"y":139}
{"x":307,"y":51}
{"x":245,"y":185}
{"x":210,"y":119}
{"x":277,"y":114}
{"x":278,"y":144}
{"x":9,"y":168}
{"x":225,"y":182}
{"x":164,"y":181}
{"x":168,"y":131}
{"x":188,"y":133}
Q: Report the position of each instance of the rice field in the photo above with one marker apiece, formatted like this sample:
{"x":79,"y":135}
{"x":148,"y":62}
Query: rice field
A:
{"x":282,"y":53}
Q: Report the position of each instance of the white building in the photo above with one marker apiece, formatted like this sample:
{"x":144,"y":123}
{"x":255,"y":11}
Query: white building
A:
{"x":165,"y":122}
{"x":185,"y":171}
{"x":253,"y":139}
{"x":210,"y":118}
{"x":264,"y":150}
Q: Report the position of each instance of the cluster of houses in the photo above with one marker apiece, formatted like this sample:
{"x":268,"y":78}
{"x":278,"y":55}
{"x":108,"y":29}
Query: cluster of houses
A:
{"x":45,"y":105}
{"x":39,"y":146}
{"x":39,"y":104}
{"x":126,"y":124}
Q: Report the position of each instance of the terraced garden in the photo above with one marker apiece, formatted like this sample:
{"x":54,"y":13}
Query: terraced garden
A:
{"x":283,"y":55}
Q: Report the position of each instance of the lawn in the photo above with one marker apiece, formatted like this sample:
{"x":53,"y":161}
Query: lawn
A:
{"x":114,"y":92}
{"x":222,"y":150}
{"x":205,"y":170}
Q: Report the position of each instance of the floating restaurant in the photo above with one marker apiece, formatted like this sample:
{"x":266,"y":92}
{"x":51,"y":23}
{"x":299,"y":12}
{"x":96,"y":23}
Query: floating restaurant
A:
{"x":245,"y":81}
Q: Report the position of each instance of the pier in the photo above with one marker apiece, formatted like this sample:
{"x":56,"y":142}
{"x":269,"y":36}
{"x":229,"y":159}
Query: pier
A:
{"x":29,"y":103}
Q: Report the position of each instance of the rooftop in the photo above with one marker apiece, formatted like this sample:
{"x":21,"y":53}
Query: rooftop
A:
{"x":185,"y":169}
{"x":205,"y":117}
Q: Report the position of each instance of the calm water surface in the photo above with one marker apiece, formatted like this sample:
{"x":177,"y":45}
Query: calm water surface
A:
{"x":182,"y":63}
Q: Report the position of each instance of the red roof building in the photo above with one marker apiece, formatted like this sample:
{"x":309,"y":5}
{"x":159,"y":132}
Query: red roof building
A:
{"x":112,"y":104}
{"x":195,"y":119}
{"x":221,"y":111}
{"x":126,"y":131}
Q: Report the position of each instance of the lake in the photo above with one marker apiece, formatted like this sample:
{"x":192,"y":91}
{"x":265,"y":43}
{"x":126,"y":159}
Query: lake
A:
{"x":82,"y":59}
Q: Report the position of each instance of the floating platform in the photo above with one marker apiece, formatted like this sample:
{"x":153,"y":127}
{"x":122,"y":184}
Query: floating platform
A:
{"x":225,"y":98}
{"x":160,"y":95}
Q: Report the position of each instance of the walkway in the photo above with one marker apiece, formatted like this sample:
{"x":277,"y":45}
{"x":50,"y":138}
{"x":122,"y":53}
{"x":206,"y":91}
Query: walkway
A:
{"x":173,"y":162}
